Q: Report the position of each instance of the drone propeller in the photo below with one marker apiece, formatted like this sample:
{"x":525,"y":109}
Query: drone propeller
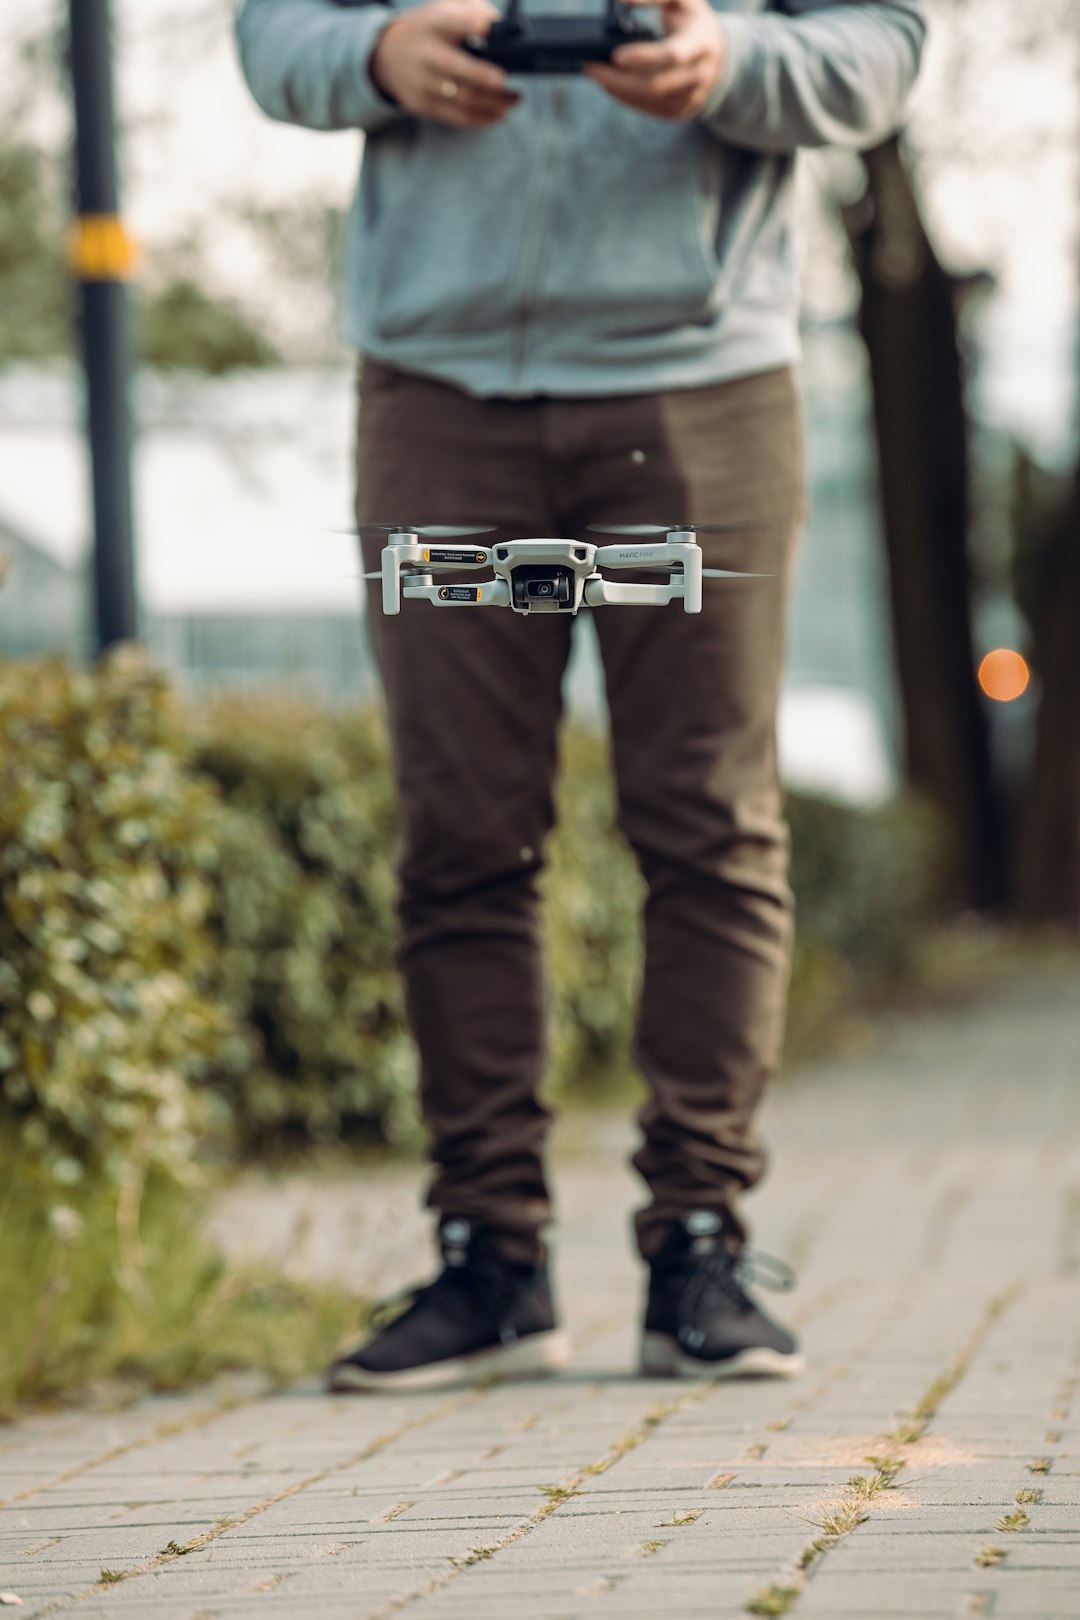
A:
{"x":644,"y":531}
{"x":730,"y":573}
{"x":427,"y":531}
{"x":706,"y":573}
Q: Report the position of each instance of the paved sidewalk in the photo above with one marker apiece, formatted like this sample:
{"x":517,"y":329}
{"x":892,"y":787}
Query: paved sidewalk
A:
{"x":927,"y":1464}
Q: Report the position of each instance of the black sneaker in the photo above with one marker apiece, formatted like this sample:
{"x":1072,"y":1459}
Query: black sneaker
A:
{"x":700,"y":1320}
{"x":482,"y":1315}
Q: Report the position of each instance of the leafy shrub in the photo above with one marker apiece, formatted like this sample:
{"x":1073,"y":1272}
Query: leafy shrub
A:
{"x":181,"y":325}
{"x":197,"y":928}
{"x":866,"y":881}
{"x":593,"y":897}
{"x":306,"y":922}
{"x":868,"y":885}
{"x":304,"y":919}
{"x":107,"y":851}
{"x":197,"y":921}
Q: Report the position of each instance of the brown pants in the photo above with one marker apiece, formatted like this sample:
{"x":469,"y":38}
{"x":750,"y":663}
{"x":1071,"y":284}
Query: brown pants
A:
{"x":473,"y":699}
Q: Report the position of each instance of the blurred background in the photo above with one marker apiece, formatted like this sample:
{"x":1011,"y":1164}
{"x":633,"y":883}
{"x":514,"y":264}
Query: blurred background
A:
{"x":231,"y":866}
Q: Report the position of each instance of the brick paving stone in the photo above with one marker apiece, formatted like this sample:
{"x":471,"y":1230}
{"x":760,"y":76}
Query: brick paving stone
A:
{"x":929,"y":1194}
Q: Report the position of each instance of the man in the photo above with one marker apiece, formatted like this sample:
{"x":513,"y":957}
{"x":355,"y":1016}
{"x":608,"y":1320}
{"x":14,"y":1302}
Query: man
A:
{"x":576,"y":301}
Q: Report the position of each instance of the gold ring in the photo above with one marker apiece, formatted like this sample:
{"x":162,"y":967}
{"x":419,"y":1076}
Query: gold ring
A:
{"x":449,"y":88}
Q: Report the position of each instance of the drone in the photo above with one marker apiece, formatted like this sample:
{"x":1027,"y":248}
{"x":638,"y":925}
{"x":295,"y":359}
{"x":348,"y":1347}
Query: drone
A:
{"x":547,"y":576}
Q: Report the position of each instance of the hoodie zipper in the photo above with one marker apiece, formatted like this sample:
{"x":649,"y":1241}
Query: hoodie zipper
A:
{"x":534,"y":239}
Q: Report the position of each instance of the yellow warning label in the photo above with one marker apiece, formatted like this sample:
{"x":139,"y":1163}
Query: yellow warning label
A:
{"x":427,"y":556}
{"x":101,"y":248}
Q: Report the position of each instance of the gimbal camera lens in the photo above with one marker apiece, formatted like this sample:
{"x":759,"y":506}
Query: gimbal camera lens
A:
{"x":542,"y":586}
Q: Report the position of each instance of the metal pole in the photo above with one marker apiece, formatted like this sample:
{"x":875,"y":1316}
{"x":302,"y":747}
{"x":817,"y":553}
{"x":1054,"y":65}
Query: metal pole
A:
{"x":103,"y":258}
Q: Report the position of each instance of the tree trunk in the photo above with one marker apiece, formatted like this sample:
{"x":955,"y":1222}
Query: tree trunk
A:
{"x":908,"y":323}
{"x":1049,"y":854}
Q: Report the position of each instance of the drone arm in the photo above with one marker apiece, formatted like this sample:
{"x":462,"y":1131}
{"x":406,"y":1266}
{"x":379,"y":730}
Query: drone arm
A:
{"x":600,"y":592}
{"x":663,"y":554}
{"x":391,"y":579}
{"x":691,"y":578}
{"x":489,"y":593}
{"x":398,"y":553}
{"x":635,"y":555}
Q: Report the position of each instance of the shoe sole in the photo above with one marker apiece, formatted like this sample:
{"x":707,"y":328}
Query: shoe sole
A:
{"x":661,"y":1357}
{"x":535,"y":1356}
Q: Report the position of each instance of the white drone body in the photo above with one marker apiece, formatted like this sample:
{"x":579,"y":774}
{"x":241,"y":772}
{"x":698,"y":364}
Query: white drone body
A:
{"x":543,"y":576}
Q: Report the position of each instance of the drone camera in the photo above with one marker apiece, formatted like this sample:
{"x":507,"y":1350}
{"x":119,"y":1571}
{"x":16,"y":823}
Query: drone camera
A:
{"x":543,"y":589}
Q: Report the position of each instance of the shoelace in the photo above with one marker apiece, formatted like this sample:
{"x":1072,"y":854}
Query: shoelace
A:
{"x":721,"y":1277}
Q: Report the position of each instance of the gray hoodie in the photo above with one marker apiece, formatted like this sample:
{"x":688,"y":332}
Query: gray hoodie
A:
{"x":579,"y":247}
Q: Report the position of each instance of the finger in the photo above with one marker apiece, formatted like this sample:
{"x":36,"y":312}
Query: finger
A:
{"x":444,"y":62}
{"x":457,"y":19}
{"x":462,"y":121}
{"x":654,"y":88}
{"x":633,"y":92}
{"x":679,"y":50}
{"x":468,"y":97}
{"x":463,"y":118}
{"x":673,"y":13}
{"x":468,"y":111}
{"x":673,"y":84}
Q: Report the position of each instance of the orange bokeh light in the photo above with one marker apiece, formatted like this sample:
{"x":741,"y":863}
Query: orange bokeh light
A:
{"x":1004,"y":675}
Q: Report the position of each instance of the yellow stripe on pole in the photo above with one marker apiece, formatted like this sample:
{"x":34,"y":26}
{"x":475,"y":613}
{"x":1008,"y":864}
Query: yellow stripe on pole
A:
{"x":101,"y":248}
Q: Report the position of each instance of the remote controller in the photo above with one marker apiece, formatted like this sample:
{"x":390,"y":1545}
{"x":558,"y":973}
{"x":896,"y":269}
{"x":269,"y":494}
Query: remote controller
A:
{"x":558,"y":43}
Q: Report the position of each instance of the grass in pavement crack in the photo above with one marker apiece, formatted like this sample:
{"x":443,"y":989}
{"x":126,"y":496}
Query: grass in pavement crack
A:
{"x":558,"y":1493}
{"x":840,"y":1518}
{"x":555,"y":1496}
{"x":161,"y":1431}
{"x":475,"y":1555}
{"x":372,"y":1449}
{"x":930,"y":1400}
{"x":774,"y":1600}
{"x":836,"y":1521}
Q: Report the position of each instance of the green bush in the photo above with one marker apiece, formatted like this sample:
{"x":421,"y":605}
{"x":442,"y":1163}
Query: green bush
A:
{"x":197,"y":932}
{"x":181,"y":325}
{"x":304,"y":919}
{"x":108,"y":844}
{"x":593,"y":897}
{"x":197,"y":921}
{"x":868,"y":886}
{"x":866,"y":882}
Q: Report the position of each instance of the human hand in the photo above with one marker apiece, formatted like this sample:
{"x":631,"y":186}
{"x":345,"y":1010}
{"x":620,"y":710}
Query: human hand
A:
{"x":418,"y":62}
{"x":675,"y":77}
